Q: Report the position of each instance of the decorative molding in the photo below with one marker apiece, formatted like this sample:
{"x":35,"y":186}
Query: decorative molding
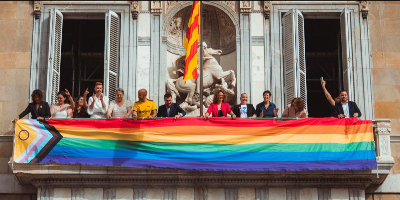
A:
{"x":364,"y":9}
{"x":230,"y":4}
{"x":156,"y":7}
{"x":267,"y":9}
{"x":382,"y":138}
{"x":135,"y":9}
{"x":37,"y":8}
{"x":6,"y":138}
{"x":394,"y":138}
{"x":169,"y":5}
{"x":257,"y":40}
{"x":245,"y":6}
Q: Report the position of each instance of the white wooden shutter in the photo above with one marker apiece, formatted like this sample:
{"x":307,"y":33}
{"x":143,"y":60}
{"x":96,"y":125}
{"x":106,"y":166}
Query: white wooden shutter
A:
{"x":111,"y":54}
{"x":294,"y":56}
{"x":347,"y":53}
{"x":54,"y":55}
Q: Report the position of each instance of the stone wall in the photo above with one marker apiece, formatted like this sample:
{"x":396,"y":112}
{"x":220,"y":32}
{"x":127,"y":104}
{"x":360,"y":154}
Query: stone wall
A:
{"x":384,"y":30}
{"x":16,"y":22}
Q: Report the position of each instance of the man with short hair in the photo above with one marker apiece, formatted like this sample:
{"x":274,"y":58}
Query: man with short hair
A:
{"x":244,"y":110}
{"x":144,"y":107}
{"x":346,"y":108}
{"x":170,"y":109}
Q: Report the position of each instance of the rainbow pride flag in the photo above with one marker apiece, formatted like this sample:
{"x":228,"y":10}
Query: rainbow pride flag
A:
{"x":218,"y":144}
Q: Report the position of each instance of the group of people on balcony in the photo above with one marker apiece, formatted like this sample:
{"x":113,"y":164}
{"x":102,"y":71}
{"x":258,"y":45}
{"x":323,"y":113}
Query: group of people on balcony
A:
{"x":100,"y":107}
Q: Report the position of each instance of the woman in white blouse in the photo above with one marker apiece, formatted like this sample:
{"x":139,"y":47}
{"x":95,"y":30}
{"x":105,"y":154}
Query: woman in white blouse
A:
{"x":119,"y":108}
{"x":61,"y":109}
{"x":98,"y":103}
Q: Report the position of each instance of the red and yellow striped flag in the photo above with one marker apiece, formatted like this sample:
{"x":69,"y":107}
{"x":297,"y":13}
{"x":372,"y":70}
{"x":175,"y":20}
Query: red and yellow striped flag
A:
{"x":190,"y":43}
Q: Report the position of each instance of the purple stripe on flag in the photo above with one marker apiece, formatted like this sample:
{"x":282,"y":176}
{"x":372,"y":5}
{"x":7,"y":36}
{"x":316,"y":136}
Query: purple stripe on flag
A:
{"x":218,"y":165}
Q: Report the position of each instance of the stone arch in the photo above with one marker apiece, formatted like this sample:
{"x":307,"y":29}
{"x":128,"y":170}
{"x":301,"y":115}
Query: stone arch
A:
{"x":233,"y":16}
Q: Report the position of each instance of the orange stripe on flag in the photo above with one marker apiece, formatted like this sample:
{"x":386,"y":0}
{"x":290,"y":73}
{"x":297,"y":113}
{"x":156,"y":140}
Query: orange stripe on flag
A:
{"x":190,"y":44}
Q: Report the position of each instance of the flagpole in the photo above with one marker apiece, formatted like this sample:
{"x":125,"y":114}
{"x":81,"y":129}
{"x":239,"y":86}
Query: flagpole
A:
{"x":201,"y":58}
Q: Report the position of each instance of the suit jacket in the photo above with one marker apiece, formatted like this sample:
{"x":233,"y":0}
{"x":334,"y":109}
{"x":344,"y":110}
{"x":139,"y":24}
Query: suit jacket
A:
{"x":250,"y":110}
{"x":353,"y":108}
{"x":173,"y":110}
{"x":43,"y":111}
{"x":213,"y":109}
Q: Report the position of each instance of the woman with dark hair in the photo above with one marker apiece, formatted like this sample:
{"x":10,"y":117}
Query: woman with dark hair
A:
{"x":98,"y":103}
{"x":266,"y":108}
{"x":218,"y":108}
{"x":61,"y":109}
{"x":295,"y":109}
{"x":39,"y":109}
{"x":81,"y":105}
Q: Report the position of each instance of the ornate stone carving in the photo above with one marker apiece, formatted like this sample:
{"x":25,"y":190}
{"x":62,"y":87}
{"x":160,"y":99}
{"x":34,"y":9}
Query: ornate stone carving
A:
{"x":169,"y":5}
{"x":364,"y":9}
{"x":230,"y":4}
{"x":384,"y":145}
{"x":175,"y":29}
{"x":156,"y":7}
{"x":245,"y":6}
{"x":226,"y":30}
{"x":215,"y":79}
{"x":135,"y":9}
{"x":37,"y":8}
{"x":267,"y":9}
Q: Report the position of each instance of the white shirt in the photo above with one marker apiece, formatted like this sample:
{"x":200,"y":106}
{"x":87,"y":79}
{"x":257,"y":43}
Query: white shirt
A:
{"x":98,"y":111}
{"x":120,"y":112}
{"x":346,"y":109}
{"x":243,"y":111}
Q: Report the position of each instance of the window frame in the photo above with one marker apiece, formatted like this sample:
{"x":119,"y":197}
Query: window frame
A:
{"x":77,"y":10}
{"x":360,"y":46}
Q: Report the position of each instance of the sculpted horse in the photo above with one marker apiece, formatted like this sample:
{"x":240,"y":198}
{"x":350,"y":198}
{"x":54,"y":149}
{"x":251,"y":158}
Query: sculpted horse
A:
{"x":213,"y":76}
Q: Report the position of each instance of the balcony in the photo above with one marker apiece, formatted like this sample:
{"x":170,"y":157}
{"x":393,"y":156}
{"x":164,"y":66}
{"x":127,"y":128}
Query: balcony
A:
{"x":54,"y":175}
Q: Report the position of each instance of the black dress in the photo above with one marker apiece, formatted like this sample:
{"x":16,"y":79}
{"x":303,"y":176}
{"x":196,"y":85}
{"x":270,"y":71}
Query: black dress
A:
{"x":80,"y":114}
{"x":43,"y":111}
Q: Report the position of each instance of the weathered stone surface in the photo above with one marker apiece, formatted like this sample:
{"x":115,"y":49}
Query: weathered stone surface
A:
{"x":62,"y":194}
{"x":246,"y":193}
{"x":154,"y":194}
{"x":185,"y":193}
{"x":395,"y":147}
{"x":93,"y":193}
{"x":277,"y":193}
{"x":124,"y":193}
{"x":215,"y":193}
{"x":308,"y":194}
{"x":387,"y":110}
{"x":340,"y":193}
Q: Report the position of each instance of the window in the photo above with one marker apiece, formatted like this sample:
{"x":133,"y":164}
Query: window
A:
{"x":111,"y":54}
{"x":296,"y":82}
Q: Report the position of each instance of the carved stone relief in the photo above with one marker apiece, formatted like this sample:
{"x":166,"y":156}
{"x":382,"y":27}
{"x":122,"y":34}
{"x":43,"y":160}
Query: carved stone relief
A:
{"x":36,"y":9}
{"x":135,"y":6}
{"x":230,"y":4}
{"x":384,"y":145}
{"x":267,"y":6}
{"x":227,"y":30}
{"x":175,"y":29}
{"x":187,"y":94}
{"x":245,"y":6}
{"x":169,"y":5}
{"x":156,"y":6}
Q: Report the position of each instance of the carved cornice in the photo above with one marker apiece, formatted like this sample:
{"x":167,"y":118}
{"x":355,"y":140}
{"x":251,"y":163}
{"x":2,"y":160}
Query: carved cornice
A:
{"x":37,"y":8}
{"x":97,"y":176}
{"x":156,"y":7}
{"x":245,"y":6}
{"x":364,"y":9}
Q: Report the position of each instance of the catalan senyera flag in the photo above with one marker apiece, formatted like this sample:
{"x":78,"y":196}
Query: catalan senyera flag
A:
{"x":190,"y":43}
{"x":218,"y":144}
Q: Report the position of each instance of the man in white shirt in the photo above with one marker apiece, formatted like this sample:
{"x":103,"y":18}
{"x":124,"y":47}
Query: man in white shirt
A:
{"x":98,"y":103}
{"x":346,"y":108}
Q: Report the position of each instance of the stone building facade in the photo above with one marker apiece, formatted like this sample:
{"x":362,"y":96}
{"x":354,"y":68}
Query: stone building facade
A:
{"x":141,"y":47}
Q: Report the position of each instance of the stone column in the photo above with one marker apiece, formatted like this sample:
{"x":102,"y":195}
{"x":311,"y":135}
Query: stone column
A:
{"x":382,"y":139}
{"x":157,"y":86}
{"x":244,"y":67}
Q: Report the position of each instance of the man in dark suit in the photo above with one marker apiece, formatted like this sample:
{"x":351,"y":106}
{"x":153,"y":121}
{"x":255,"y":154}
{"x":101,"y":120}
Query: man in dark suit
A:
{"x":170,"y":109}
{"x":346,"y":108}
{"x":244,"y":110}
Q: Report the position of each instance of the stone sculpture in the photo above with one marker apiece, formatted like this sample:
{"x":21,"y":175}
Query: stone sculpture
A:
{"x":214,"y":79}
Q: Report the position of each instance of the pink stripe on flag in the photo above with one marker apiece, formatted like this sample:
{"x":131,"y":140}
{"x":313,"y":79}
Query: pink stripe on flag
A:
{"x":44,"y":136}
